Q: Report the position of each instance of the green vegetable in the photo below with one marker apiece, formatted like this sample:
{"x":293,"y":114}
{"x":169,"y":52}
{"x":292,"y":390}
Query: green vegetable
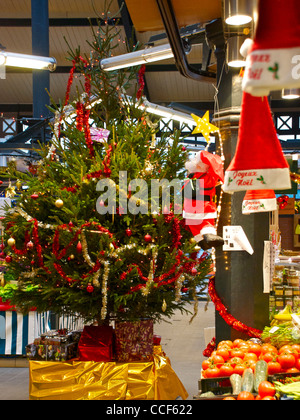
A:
{"x":290,"y":390}
{"x":281,"y":334}
{"x":248,"y":380}
{"x":236,"y":383}
{"x":207,"y":395}
{"x":261,"y":373}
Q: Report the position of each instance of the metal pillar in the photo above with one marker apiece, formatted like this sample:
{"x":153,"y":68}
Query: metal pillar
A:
{"x":40,"y":46}
{"x":239,"y":277}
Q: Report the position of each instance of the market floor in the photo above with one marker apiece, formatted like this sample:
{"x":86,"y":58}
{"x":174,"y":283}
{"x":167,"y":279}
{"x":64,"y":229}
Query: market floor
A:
{"x":182,"y":342}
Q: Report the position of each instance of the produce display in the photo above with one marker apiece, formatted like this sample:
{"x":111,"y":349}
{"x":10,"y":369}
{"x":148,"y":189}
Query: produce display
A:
{"x":253,"y":369}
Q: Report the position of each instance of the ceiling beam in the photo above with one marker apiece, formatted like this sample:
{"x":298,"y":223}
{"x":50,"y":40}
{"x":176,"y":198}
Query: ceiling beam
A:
{"x":60,"y":22}
{"x":150,"y":68}
{"x":17,"y":146}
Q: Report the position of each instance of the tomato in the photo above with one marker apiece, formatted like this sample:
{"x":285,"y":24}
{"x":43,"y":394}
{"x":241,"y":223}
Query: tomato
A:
{"x":238,"y":342}
{"x":250,"y":364}
{"x":287,"y":348}
{"x":212,"y":372}
{"x":245,"y":396}
{"x":243,"y":345}
{"x":250,"y":356}
{"x":297,"y":365}
{"x":296,"y":347}
{"x":274,"y":368}
{"x":206,"y":364}
{"x":266,"y":389}
{"x":226,"y":370}
{"x":292,"y":370}
{"x":255,"y":348}
{"x":235,"y":361}
{"x":258,"y":398}
{"x":217,"y":360}
{"x":268,"y":398}
{"x":224,"y":353}
{"x":268,"y":357}
{"x":226,"y":343}
{"x":286,"y":360}
{"x":268,"y":348}
{"x":239,"y":369}
{"x":237,"y":353}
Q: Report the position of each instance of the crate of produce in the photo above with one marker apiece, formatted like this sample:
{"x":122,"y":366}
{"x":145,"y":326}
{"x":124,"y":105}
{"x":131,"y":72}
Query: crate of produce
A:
{"x":218,"y":386}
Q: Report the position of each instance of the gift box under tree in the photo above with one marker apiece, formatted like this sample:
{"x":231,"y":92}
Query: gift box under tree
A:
{"x":96,"y":344}
{"x":134,"y":340}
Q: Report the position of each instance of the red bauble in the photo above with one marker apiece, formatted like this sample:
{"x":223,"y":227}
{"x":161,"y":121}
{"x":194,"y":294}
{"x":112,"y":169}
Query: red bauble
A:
{"x":128,"y":232}
{"x":148,"y":238}
{"x":90,"y":288}
{"x":8,"y":259}
{"x":34,"y":196}
{"x":194,"y":271}
{"x":79,"y":248}
{"x":30,"y":245}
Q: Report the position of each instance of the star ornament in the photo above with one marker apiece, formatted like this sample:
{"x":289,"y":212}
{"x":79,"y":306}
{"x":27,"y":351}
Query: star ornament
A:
{"x":204,"y":127}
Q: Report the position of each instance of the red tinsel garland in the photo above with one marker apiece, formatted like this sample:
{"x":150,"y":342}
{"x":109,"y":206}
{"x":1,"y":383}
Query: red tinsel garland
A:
{"x":38,"y":247}
{"x":24,"y":251}
{"x":228,"y":318}
{"x":141,"y":81}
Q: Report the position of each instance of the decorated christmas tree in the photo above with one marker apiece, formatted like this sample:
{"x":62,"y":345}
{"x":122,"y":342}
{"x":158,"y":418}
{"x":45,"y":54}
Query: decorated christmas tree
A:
{"x":93,"y":233}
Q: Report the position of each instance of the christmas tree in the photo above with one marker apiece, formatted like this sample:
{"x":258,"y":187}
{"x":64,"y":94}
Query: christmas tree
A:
{"x":90,"y":235}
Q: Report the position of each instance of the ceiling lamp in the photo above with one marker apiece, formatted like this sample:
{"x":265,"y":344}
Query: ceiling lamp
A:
{"x":27,"y":61}
{"x":234,"y":56}
{"x":239,"y":12}
{"x":137,"y":58}
{"x":166,"y":112}
{"x":291,"y":94}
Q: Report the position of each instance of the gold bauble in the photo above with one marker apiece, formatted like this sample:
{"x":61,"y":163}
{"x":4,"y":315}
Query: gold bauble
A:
{"x":11,"y":242}
{"x":59,"y":203}
{"x":19,"y":185}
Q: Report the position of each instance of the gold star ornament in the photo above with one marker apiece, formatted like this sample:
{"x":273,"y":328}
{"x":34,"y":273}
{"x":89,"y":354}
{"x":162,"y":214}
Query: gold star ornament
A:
{"x":204,"y":127}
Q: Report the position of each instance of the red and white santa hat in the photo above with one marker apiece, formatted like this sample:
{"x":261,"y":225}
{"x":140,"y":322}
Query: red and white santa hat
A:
{"x":259,"y":202}
{"x":259,"y":162}
{"x":273,"y":60}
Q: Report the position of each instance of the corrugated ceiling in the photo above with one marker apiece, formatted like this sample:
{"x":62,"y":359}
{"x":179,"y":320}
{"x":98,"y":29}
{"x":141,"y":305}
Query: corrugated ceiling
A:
{"x":17,"y":87}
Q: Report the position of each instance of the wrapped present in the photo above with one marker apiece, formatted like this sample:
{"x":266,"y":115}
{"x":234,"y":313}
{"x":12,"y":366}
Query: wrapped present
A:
{"x":61,"y":353}
{"x":134,"y":340}
{"x":96,"y":344}
{"x":57,"y":345}
{"x":45,"y":352}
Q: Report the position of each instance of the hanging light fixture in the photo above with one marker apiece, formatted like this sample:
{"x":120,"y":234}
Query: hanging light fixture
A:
{"x":234,"y":56}
{"x":27,"y":61}
{"x":291,"y":94}
{"x":136,"y":58}
{"x":239,"y":12}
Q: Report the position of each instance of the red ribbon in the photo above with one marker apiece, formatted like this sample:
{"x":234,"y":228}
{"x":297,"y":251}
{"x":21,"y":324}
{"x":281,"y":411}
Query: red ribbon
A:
{"x":228,"y":318}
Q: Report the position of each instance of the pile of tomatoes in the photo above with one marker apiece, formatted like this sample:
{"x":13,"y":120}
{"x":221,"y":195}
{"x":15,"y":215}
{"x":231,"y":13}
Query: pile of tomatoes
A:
{"x":234,"y":357}
{"x":266,"y":392}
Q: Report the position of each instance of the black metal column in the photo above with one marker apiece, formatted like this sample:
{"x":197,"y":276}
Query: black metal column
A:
{"x":239,"y":276}
{"x":40,"y":46}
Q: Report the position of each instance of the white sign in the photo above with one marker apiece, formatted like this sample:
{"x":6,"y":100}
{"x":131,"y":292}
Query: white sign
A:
{"x":236,"y":239}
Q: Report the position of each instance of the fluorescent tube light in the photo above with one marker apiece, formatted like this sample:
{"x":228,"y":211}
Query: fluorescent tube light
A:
{"x":27,"y":61}
{"x":137,"y":58}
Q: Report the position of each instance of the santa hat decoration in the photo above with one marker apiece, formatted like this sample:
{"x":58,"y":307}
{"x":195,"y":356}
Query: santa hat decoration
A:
{"x":259,"y":163}
{"x":273,"y":57}
{"x":205,"y":161}
{"x":259,"y":201}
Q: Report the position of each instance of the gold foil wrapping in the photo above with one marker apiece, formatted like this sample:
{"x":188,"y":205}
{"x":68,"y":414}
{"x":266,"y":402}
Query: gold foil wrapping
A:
{"x":76,"y":380}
